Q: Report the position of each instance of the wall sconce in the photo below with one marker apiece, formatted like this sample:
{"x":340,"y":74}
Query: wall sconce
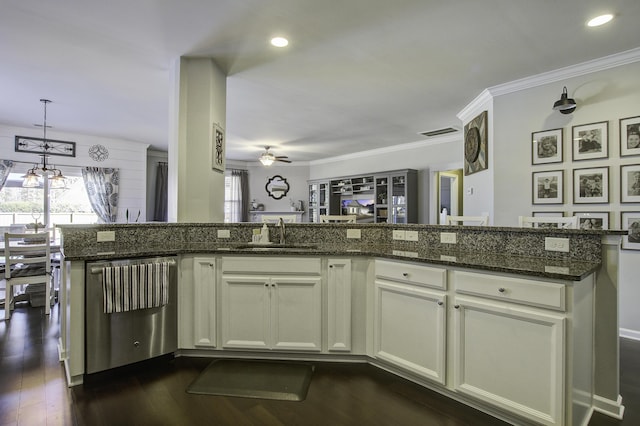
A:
{"x":565,"y":104}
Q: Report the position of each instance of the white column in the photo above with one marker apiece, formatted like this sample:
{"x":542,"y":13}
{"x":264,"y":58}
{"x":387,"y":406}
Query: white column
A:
{"x":198,"y":100}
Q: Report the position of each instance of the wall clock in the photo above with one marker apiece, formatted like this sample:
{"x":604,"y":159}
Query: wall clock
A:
{"x":475,"y":145}
{"x":98,"y":152}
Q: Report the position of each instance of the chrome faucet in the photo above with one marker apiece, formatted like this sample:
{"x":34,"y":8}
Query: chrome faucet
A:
{"x":282,"y":230}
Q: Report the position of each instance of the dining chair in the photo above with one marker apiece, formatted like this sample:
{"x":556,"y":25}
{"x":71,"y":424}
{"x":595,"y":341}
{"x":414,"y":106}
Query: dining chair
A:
{"x":338,"y":218}
{"x":464,"y":220}
{"x":27,"y":262}
{"x":569,"y":222}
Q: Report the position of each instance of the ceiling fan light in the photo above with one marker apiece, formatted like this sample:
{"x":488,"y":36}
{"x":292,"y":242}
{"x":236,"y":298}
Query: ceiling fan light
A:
{"x":565,"y":104}
{"x":267,"y":159}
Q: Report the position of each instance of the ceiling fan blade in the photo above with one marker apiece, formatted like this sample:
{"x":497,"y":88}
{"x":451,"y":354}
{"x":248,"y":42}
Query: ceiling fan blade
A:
{"x":282,"y":159}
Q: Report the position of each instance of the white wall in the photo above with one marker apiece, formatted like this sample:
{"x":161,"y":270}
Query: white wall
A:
{"x":130,"y":157}
{"x":296,"y":177}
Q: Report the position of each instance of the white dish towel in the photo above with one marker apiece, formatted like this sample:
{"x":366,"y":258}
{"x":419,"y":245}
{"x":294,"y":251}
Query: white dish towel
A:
{"x":131,"y":287}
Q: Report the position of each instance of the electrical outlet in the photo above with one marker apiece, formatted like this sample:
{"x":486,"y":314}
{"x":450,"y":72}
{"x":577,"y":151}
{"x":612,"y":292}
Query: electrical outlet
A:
{"x":224,"y":233}
{"x":354,"y":233}
{"x":556,"y":244}
{"x":411,"y":235}
{"x":399,"y":235}
{"x":105,"y":236}
{"x":448,"y":238}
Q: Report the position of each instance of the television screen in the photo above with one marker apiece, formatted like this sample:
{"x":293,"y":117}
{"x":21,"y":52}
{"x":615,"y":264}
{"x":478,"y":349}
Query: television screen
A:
{"x":363,"y":209}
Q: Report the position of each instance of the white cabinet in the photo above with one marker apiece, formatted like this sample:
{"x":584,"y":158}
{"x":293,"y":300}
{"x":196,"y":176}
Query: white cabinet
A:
{"x":204,"y":296}
{"x":410,"y":318}
{"x":339,"y":305}
{"x":511,"y":357}
{"x":269,"y":307}
{"x":524,"y":345}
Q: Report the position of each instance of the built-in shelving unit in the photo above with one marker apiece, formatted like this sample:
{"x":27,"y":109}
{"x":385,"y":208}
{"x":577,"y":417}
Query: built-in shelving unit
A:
{"x":384,"y":197}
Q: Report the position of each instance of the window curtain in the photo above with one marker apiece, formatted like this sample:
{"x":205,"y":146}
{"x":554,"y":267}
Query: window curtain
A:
{"x":239,"y":196}
{"x":102,"y":186}
{"x":5,"y":169}
{"x":160,"y":207}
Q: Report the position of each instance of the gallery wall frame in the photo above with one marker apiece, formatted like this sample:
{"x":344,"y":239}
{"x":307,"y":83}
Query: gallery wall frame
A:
{"x":546,"y":146}
{"x":593,"y":220}
{"x":590,"y":141}
{"x":630,"y":221}
{"x":591,"y":185}
{"x":547,"y":187}
{"x":629,"y":136}
{"x":630,"y":183}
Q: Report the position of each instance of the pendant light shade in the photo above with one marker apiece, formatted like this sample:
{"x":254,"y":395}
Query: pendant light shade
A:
{"x":565,"y":104}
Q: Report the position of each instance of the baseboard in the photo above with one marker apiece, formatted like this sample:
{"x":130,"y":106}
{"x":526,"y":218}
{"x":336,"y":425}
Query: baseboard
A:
{"x":608,"y":407}
{"x":630,"y":334}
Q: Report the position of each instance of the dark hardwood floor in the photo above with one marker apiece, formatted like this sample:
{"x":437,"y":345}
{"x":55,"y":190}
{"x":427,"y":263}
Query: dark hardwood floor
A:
{"x":33,"y":391}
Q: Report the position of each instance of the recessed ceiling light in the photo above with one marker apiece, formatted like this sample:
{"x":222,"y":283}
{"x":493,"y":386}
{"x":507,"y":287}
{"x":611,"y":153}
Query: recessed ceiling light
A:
{"x":600,"y":20}
{"x":279,"y":41}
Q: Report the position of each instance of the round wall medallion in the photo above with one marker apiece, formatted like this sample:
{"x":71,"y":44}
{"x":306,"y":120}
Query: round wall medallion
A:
{"x":472,"y":144}
{"x":98,"y":153}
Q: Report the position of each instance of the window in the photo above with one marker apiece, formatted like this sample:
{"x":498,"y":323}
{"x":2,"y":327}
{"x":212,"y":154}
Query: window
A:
{"x":26,"y":205}
{"x":233,"y":195}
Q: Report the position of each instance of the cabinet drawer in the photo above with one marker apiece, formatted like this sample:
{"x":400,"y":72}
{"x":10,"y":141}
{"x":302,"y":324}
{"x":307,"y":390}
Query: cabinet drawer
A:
{"x":517,"y":290}
{"x":412,"y":273}
{"x":271,"y":265}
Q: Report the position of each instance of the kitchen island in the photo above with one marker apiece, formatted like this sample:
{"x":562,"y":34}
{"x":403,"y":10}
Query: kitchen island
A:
{"x":495,"y":320}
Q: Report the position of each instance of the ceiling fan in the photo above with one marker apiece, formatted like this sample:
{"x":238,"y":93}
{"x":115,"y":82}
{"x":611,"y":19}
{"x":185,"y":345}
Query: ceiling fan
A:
{"x":267,"y":158}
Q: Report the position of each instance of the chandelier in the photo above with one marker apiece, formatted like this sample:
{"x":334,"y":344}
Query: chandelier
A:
{"x":44,"y":147}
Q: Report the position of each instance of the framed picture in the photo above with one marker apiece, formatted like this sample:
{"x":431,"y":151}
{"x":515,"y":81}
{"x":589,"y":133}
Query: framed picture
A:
{"x":546,"y":147}
{"x":476,"y":154}
{"x":547,"y":187}
{"x":630,"y":183}
{"x":629,"y":136}
{"x":591,"y":186}
{"x":592,"y":220}
{"x":590,"y":141}
{"x":218,"y":149}
{"x":631,"y":221}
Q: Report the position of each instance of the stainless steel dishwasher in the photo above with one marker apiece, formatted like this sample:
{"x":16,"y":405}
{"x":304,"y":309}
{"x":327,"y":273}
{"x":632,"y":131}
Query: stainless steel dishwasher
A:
{"x":116,"y":339}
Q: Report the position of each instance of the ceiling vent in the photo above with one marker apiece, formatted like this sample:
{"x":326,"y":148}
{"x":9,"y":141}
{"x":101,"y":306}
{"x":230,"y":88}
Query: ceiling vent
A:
{"x":439,"y":132}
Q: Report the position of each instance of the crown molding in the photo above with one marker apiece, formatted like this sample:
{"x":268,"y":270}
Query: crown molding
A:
{"x":601,"y":64}
{"x":476,"y":106}
{"x":455,"y":137}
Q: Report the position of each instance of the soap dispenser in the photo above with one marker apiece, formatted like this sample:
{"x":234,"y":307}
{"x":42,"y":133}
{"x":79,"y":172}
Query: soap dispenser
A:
{"x":264,"y":234}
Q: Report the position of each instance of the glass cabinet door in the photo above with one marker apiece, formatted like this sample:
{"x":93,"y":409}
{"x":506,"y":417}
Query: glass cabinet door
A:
{"x":318,"y":200}
{"x":382,"y":199}
{"x":399,"y":199}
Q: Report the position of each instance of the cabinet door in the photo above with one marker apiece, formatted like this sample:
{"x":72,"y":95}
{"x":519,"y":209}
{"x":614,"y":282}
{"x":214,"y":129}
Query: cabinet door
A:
{"x":339,"y":304}
{"x":511,"y":357}
{"x":410,"y":328}
{"x":245,"y":312}
{"x":296,"y":316}
{"x":204,"y":296}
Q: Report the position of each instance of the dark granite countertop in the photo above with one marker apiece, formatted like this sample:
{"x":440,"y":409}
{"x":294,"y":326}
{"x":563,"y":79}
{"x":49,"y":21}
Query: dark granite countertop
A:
{"x":564,"y":269}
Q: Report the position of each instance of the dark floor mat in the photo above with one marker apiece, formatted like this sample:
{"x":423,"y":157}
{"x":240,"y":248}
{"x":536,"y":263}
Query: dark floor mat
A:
{"x":254,"y":379}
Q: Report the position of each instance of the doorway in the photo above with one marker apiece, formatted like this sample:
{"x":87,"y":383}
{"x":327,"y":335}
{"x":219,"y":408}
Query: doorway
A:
{"x":449,"y":193}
